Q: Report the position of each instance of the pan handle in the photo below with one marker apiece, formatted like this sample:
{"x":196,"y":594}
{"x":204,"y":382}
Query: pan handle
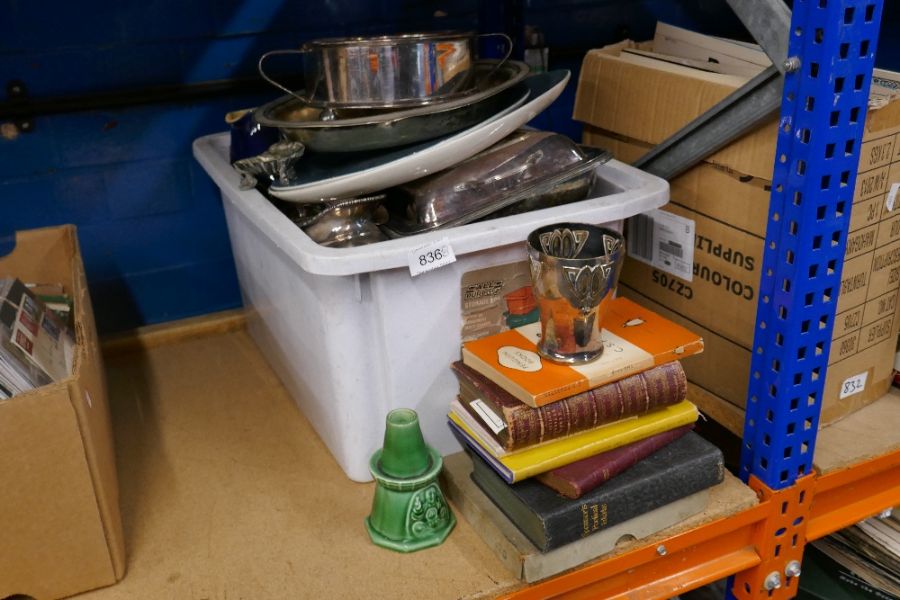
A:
{"x":262,"y":73}
{"x":509,"y":49}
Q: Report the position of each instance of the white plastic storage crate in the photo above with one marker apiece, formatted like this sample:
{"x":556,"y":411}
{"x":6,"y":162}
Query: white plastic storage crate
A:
{"x":350,"y":333}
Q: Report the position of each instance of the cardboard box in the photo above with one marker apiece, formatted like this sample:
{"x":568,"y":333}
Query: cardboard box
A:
{"x":647,"y":105}
{"x":628,"y":107}
{"x":59,"y":508}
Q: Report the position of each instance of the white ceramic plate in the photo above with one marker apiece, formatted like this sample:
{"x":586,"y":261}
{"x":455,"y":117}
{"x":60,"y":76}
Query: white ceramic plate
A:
{"x":334,"y":176}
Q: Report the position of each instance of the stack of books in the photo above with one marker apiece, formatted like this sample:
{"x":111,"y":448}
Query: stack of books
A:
{"x":567,"y":451}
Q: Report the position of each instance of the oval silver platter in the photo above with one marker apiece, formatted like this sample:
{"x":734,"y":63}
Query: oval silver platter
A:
{"x":360,"y":130}
{"x":322,"y":177}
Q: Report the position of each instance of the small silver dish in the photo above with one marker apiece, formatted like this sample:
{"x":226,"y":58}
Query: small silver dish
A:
{"x":277,"y":164}
{"x":526,"y":171}
{"x":341,"y":223}
{"x":365,"y":130}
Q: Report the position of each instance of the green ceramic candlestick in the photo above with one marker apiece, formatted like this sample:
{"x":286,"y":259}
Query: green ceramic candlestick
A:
{"x":409,"y":511}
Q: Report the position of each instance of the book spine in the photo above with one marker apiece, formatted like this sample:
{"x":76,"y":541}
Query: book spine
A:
{"x":10,"y":298}
{"x":601,"y":508}
{"x":661,"y":386}
{"x":580,"y":477}
{"x":470,"y":391}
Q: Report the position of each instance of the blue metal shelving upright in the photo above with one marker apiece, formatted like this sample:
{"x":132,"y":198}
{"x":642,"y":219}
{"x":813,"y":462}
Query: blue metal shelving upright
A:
{"x":828,"y":72}
{"x":821,"y":127}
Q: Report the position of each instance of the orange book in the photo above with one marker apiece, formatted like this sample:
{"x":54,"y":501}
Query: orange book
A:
{"x":635,"y":339}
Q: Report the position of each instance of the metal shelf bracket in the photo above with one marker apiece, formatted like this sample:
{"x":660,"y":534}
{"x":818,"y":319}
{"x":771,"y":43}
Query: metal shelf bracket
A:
{"x":780,"y":542}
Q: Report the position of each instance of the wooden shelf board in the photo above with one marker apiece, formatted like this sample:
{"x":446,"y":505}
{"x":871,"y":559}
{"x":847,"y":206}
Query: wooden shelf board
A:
{"x":868,"y":433}
{"x":227,"y":492}
{"x":176,"y":331}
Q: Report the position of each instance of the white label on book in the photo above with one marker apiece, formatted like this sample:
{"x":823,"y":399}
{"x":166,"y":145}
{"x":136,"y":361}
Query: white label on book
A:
{"x":430,"y":257}
{"x":892,"y":197}
{"x":664,"y":241}
{"x":854,"y":385}
{"x":520,"y":359}
{"x":489,"y":417}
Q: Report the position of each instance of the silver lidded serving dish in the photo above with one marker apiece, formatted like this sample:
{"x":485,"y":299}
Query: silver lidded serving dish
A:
{"x":526,"y":171}
{"x":364,"y":130}
{"x":389,"y":71}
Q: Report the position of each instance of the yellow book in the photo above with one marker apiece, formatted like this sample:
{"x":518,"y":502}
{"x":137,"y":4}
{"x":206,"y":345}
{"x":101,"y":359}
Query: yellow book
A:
{"x":529,"y":462}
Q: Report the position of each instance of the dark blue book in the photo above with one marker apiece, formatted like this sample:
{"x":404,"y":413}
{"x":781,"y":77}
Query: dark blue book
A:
{"x":550,"y":520}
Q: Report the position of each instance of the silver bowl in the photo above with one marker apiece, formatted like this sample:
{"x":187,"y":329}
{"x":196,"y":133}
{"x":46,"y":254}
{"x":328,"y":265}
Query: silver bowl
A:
{"x":343,"y":223}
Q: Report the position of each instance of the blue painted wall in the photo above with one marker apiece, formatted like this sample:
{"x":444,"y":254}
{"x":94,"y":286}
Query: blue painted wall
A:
{"x":150,"y":222}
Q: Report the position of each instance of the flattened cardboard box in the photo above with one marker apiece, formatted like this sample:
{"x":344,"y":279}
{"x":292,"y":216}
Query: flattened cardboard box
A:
{"x":727,"y":198}
{"x":59,"y":503}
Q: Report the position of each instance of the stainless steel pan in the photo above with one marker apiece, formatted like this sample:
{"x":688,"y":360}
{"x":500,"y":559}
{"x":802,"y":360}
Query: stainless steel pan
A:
{"x":391,"y":71}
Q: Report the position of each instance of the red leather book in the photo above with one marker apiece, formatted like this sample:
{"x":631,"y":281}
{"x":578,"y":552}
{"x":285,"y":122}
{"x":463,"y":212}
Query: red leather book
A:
{"x":584,"y":475}
{"x":516,"y":425}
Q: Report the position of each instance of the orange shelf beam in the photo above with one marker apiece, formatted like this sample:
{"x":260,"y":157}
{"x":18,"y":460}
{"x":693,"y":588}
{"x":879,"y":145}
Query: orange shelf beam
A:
{"x":691,"y":559}
{"x":727,"y":546}
{"x":849,"y":495}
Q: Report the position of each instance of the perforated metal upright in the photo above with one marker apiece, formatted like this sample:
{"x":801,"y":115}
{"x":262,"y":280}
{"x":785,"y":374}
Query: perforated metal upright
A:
{"x":829,"y":69}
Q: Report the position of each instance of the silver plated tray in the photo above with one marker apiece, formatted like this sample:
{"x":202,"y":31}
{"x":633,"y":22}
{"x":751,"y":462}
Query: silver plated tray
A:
{"x":570,"y":184}
{"x":346,"y":130}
